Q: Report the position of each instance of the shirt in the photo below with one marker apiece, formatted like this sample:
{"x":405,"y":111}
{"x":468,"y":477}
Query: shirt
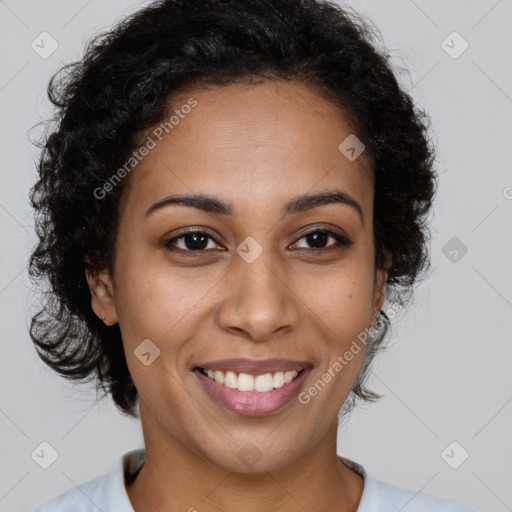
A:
{"x":108,"y":493}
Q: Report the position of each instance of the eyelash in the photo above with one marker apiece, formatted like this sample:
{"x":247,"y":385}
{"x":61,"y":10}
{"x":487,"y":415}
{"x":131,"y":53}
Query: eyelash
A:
{"x":342,"y":241}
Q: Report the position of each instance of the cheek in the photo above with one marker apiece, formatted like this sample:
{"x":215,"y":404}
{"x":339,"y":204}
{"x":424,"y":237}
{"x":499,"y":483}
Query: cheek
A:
{"x":341,"y":312}
{"x":167,"y":307}
{"x":155,"y":314}
{"x":341,"y":299}
{"x":340,"y":305}
{"x":153,"y":300}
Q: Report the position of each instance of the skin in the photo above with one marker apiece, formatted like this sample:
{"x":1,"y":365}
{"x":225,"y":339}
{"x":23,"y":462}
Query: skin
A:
{"x":257,"y":146}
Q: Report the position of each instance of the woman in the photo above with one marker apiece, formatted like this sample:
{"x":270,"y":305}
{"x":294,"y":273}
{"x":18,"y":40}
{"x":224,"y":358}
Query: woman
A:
{"x":230,"y":194}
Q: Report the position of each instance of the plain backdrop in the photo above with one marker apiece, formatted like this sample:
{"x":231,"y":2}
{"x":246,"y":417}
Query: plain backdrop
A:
{"x":446,"y":381}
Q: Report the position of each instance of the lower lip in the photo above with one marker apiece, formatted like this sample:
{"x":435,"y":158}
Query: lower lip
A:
{"x":252,"y":403}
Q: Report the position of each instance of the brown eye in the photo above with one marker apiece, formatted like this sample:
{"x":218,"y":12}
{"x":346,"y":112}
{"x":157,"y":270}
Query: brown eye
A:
{"x":319,"y":238}
{"x":191,"y":241}
{"x":197,"y":241}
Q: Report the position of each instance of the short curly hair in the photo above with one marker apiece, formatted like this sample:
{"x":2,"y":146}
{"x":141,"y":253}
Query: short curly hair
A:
{"x":124,"y":85}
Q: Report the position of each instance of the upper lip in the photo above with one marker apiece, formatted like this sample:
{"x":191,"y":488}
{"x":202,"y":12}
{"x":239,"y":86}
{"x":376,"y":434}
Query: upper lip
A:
{"x":255,"y":367}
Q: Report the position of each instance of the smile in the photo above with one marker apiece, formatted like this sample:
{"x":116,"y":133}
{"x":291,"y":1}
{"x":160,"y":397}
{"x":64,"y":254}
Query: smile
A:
{"x":251,"y":395}
{"x":246,"y":382}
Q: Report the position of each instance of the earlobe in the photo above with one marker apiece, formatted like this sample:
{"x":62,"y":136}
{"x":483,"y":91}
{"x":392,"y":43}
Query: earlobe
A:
{"x":380,"y":289}
{"x":380,"y":285}
{"x":102,"y":296}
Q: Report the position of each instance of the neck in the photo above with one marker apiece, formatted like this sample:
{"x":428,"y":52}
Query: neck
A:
{"x":174,"y":476}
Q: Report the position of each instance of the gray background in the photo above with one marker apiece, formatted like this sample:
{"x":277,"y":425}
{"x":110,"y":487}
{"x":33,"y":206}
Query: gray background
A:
{"x":448,"y":374}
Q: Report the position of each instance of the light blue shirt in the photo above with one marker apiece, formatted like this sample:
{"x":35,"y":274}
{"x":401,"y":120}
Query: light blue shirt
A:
{"x":108,"y":493}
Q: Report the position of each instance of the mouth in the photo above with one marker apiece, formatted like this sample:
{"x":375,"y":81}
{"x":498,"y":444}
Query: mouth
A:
{"x":246,"y":382}
{"x":252,"y":388}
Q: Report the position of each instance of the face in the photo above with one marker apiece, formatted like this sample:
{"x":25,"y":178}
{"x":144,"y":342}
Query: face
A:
{"x":265,"y":283}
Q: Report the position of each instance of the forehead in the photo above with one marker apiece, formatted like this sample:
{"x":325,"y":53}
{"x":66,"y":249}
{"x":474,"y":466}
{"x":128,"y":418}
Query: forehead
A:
{"x":260,"y":143}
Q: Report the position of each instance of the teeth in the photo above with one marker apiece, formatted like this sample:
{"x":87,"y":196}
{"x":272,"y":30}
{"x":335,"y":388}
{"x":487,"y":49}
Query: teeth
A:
{"x":264,"y":383}
{"x":246,"y":382}
{"x":289,"y":376}
{"x":230,"y":380}
{"x":278,"y":379}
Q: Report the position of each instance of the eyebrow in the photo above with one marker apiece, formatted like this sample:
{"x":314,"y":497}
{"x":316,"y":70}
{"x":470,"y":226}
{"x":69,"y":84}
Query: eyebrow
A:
{"x":216,"y":206}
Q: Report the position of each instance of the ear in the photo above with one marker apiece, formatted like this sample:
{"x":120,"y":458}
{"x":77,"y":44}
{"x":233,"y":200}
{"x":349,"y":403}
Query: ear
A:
{"x":379,"y":296}
{"x":102,"y":296}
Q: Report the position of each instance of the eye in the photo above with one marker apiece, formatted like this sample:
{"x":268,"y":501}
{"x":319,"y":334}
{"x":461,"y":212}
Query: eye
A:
{"x":198,"y":241}
{"x":320,"y":237}
{"x":191,"y":241}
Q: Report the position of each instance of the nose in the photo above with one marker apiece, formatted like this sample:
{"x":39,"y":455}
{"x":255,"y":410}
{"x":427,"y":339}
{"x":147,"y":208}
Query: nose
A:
{"x":259,"y":302}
